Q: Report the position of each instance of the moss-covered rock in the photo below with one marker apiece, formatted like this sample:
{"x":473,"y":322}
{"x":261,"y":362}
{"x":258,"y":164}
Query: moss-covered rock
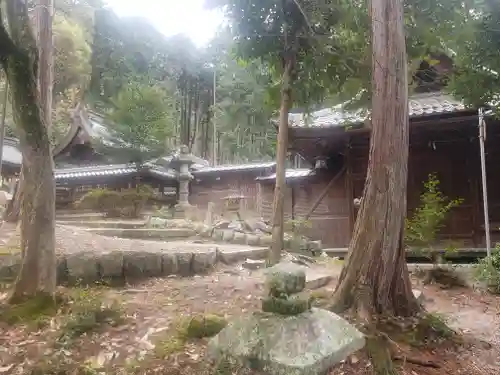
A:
{"x":201,"y":326}
{"x":292,"y":305}
{"x":285,"y":279}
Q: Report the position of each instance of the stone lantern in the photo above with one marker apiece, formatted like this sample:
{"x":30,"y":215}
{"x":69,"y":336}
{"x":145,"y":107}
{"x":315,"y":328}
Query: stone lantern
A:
{"x":181,"y":163}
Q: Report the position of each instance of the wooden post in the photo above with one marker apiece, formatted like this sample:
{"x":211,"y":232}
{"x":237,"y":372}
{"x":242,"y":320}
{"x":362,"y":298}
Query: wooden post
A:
{"x":349,"y":187}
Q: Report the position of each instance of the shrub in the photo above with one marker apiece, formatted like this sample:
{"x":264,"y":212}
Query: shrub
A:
{"x":422,"y":228}
{"x":114,"y":203}
{"x":488,"y":271}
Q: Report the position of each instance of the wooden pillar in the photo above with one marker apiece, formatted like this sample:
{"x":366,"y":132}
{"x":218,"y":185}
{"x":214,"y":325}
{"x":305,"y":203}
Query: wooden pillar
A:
{"x":349,"y":186}
{"x":473,"y":171}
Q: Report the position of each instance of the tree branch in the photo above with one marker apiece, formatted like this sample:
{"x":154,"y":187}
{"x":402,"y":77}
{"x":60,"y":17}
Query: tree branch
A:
{"x":7,"y":46}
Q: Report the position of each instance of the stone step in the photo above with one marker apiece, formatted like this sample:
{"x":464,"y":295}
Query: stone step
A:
{"x":316,"y":280}
{"x":145,"y":233}
{"x":118,"y":224}
{"x":90,"y":216}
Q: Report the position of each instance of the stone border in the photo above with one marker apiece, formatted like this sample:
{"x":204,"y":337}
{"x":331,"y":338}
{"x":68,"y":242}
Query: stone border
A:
{"x":264,"y":239}
{"x":117,"y":267}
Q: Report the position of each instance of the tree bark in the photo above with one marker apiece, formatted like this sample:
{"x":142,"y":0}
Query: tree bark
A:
{"x":375,"y":277}
{"x":43,"y":16}
{"x":38,"y":271}
{"x":282,"y":147}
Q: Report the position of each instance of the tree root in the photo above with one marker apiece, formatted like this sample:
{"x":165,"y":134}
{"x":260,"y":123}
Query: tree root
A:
{"x":380,"y":355}
{"x":415,"y":361}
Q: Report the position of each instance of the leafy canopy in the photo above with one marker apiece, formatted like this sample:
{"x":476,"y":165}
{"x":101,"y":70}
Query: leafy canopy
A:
{"x":142,"y":118}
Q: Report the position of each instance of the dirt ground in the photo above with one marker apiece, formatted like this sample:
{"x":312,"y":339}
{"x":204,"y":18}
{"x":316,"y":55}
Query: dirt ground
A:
{"x":151,"y":309}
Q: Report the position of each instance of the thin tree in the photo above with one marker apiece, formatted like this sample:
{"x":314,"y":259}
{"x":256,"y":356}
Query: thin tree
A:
{"x":375,"y":278}
{"x":20,"y":61}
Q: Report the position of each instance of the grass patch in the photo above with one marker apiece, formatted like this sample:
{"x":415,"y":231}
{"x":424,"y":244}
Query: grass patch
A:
{"x":89,"y":312}
{"x":35,"y":310}
{"x":60,"y":365}
{"x":196,"y":327}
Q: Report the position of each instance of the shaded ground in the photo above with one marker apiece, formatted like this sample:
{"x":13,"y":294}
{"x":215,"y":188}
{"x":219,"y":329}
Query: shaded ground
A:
{"x":153,"y":307}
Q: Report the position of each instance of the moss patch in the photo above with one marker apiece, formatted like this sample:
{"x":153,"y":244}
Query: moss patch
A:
{"x":201,"y":326}
{"x":89,"y":312}
{"x":33,"y":310}
{"x":292,"y":305}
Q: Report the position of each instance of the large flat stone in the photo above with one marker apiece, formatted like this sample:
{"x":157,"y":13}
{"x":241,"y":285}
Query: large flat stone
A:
{"x":111,"y":264}
{"x":120,"y":224}
{"x":82,"y":268}
{"x":204,"y":261}
{"x":316,"y":279}
{"x":229,"y":254}
{"x":138,"y":264}
{"x":146,"y":233}
{"x":306,"y":344}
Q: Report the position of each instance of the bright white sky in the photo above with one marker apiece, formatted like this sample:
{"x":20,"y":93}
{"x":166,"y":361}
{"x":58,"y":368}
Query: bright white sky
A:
{"x":173,"y":16}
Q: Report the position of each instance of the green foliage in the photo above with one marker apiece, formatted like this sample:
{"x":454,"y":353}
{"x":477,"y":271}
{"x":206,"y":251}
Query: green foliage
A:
{"x":125,"y":203}
{"x":142,"y":118}
{"x":488,"y":271}
{"x":88,"y":312}
{"x":71,"y":56}
{"x":34,"y":310}
{"x":298,"y":226}
{"x":423,"y":227}
{"x":477,"y":56}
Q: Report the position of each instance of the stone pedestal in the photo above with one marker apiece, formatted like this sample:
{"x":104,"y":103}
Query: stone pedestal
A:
{"x":288,"y":336}
{"x":181,"y":163}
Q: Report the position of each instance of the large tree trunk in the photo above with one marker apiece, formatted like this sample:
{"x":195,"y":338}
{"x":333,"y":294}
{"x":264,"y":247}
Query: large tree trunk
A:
{"x":38,"y":271}
{"x":44,"y":12}
{"x":375,"y":277}
{"x":282,"y":147}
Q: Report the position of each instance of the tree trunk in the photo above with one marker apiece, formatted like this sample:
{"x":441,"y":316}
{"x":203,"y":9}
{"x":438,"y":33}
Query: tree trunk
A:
{"x":38,"y":271}
{"x":375,"y":277}
{"x":280,"y":187}
{"x":44,"y":12}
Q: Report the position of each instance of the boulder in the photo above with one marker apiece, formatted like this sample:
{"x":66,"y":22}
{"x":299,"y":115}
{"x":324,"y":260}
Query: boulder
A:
{"x":218,"y":235}
{"x":204,"y":261}
{"x":169,"y":264}
{"x":240,"y":238}
{"x":111,"y":265}
{"x":184,"y":263}
{"x":138,"y":264}
{"x":306,"y":344}
{"x":82,"y":268}
{"x":252,"y":240}
{"x":227,"y":235}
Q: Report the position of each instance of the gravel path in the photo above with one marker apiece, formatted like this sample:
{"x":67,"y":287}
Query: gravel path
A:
{"x":70,"y":239}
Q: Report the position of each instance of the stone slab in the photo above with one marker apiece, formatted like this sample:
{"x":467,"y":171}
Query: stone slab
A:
{"x":229,"y":254}
{"x":119,"y":224}
{"x":146,"y":233}
{"x":306,"y":344}
{"x":316,"y":280}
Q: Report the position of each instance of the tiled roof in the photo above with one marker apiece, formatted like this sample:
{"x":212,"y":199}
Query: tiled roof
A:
{"x":290,"y":174}
{"x":240,"y":167}
{"x":163,"y":172}
{"x":94,"y":170}
{"x":419,"y":105}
